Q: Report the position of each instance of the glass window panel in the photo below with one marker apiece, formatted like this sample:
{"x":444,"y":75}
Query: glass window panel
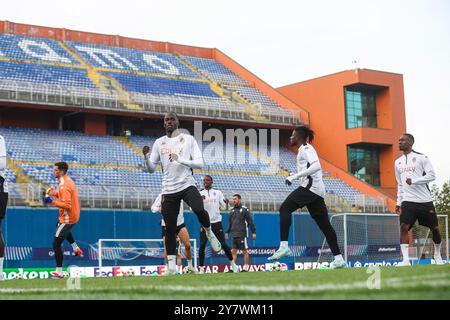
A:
{"x":361,"y":106}
{"x":364,"y":164}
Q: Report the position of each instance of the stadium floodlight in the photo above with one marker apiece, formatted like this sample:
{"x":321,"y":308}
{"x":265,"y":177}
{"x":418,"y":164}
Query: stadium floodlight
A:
{"x":117,"y":250}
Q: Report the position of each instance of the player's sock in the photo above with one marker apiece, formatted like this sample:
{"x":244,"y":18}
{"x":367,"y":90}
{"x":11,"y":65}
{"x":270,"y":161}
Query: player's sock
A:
{"x":59,"y":270}
{"x":339,"y":257}
{"x":172,"y":262}
{"x":405,"y":251}
{"x":1,"y":267}
{"x":437,"y":249}
{"x":283,"y":244}
{"x":74,"y":246}
{"x":189,"y":262}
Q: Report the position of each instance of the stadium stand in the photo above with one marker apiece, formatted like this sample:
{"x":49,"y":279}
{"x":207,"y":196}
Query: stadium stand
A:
{"x":38,"y":145}
{"x":240,"y":160}
{"x":23,"y":48}
{"x":332,"y":185}
{"x":60,"y":72}
{"x":113,"y":176}
{"x":123,"y":78}
{"x":23,"y":73}
{"x":10,"y":176}
{"x":99,"y":164}
{"x":39,"y":65}
{"x":214,"y":70}
{"x":266,"y":105}
{"x":163,"y":86}
{"x":117,"y":58}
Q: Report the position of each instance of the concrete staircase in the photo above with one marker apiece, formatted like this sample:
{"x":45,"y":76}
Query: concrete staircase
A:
{"x":106,"y":83}
{"x":28,"y":186}
{"x":230,"y":96}
{"x":125,"y":141}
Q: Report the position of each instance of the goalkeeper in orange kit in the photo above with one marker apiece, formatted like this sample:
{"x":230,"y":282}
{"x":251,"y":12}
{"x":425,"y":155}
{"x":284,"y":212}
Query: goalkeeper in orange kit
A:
{"x":69,"y":214}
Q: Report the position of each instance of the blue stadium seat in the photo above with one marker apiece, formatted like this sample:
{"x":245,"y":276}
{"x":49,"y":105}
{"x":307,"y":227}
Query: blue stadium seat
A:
{"x":35,"y":49}
{"x":45,"y":75}
{"x":70,"y":146}
{"x":253,"y":95}
{"x":118,"y":58}
{"x":162,"y":86}
{"x":10,"y":176}
{"x":103,"y":161}
{"x":214,"y":70}
{"x":41,"y":65}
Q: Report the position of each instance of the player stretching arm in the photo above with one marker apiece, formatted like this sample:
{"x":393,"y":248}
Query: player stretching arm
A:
{"x":311,"y":194}
{"x":178,"y":154}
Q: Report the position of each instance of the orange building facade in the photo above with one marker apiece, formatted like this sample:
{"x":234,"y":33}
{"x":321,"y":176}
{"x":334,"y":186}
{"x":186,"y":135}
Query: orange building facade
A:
{"x":358,"y":116}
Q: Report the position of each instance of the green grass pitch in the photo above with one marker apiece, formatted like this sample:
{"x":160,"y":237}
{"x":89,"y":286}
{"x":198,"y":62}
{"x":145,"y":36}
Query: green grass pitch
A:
{"x":417,"y":282}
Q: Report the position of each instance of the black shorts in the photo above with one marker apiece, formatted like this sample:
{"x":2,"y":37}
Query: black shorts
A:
{"x":163,"y":229}
{"x":63,"y":230}
{"x":3,"y":204}
{"x":424,"y":212}
{"x":240,"y":243}
{"x":302,"y":197}
{"x":170,"y":204}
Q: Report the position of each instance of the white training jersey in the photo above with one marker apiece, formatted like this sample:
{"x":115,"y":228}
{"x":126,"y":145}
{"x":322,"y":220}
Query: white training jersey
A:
{"x":213,"y":201}
{"x":3,"y":163}
{"x":307,"y":157}
{"x":156,"y":207}
{"x":176,"y":176}
{"x":418,"y":167}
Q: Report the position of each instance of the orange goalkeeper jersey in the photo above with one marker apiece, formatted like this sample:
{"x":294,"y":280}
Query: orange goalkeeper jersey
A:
{"x":68,"y":204}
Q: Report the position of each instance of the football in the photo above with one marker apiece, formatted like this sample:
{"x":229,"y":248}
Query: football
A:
{"x":276,"y":266}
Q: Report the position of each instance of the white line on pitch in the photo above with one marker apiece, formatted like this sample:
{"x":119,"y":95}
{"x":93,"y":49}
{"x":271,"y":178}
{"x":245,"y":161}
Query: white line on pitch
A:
{"x":428,"y":280}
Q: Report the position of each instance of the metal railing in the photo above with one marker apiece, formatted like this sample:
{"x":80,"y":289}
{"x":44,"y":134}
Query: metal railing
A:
{"x":141,"y":198}
{"x":371,"y":204}
{"x":28,"y":92}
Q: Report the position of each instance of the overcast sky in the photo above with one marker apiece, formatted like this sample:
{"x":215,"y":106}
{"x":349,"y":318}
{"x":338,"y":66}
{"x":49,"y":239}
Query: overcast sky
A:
{"x":289,"y":41}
